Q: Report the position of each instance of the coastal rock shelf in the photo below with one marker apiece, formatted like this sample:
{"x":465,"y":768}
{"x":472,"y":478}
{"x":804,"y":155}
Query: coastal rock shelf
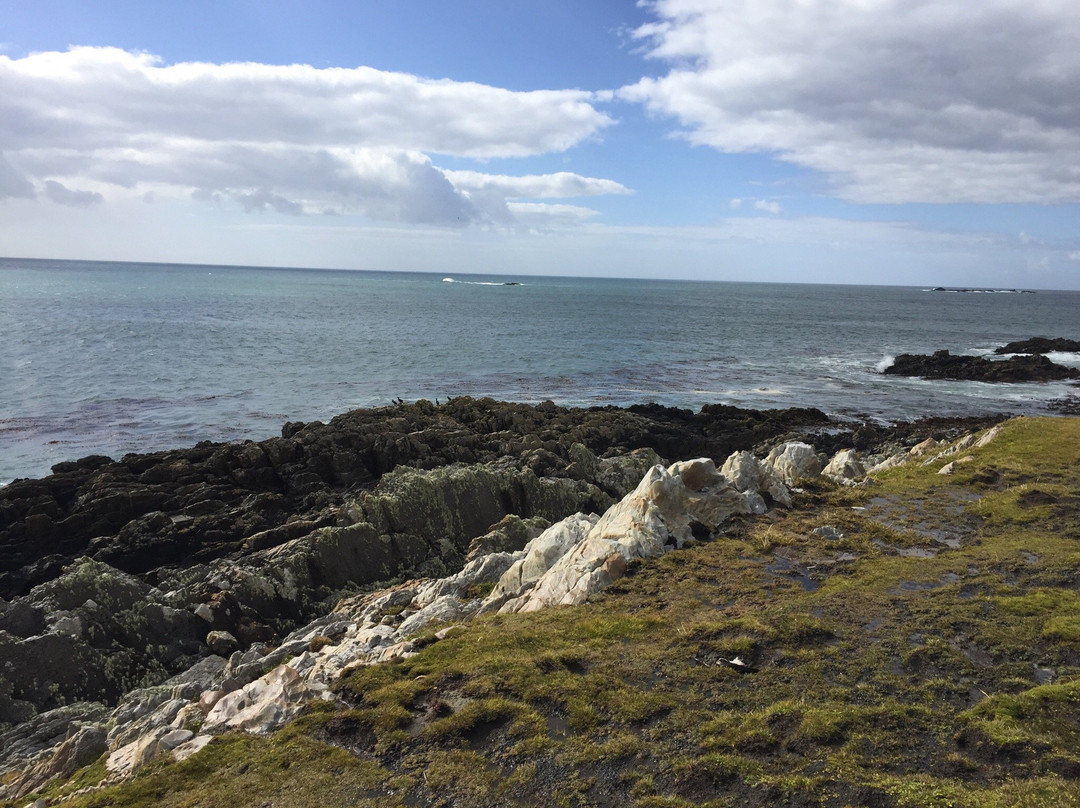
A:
{"x":213,"y":501}
{"x":213,"y":624}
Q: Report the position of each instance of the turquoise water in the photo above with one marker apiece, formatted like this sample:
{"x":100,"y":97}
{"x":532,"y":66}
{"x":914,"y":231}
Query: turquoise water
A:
{"x":113,"y":358}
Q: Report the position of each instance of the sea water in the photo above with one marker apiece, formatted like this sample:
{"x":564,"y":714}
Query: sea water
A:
{"x":111,"y":358}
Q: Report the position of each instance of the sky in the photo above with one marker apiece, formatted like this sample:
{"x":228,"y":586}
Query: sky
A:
{"x":905,"y":142}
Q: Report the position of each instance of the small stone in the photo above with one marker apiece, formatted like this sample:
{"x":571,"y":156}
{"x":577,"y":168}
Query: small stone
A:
{"x":828,"y":532}
{"x":171,"y":740}
{"x":186,"y":750}
{"x":209,"y":698}
{"x":221,"y":643}
{"x":926,"y":446}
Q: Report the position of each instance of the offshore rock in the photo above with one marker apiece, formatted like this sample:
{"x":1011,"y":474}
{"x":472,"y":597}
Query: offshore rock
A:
{"x":944,"y":365}
{"x":1040,"y":345}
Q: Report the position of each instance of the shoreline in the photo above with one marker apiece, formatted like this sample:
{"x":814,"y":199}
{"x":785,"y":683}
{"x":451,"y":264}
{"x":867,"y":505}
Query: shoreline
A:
{"x":845,"y":419}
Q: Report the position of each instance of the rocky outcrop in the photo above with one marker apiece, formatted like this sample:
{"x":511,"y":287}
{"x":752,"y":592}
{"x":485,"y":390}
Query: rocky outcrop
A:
{"x":1040,"y":345}
{"x":944,"y":365}
{"x":95,"y":632}
{"x":655,"y":517}
{"x":258,"y":688}
{"x":213,"y":501}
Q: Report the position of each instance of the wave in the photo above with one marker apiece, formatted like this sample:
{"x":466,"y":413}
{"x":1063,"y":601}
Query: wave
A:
{"x":885,"y":362}
{"x":1064,"y":358}
{"x":483,"y":283}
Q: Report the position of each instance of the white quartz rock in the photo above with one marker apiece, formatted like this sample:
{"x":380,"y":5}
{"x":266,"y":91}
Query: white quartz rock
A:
{"x":794,"y":461}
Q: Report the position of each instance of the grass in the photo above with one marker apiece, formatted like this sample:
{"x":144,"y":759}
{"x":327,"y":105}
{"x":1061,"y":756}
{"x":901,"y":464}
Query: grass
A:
{"x":900,"y":678}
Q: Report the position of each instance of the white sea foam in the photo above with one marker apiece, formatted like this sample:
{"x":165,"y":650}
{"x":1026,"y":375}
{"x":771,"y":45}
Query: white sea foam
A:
{"x":481,"y":283}
{"x":1064,"y":358}
{"x":885,"y":362}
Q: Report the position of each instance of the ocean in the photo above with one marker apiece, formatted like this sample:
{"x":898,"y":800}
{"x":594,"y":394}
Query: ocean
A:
{"x":110,"y":358}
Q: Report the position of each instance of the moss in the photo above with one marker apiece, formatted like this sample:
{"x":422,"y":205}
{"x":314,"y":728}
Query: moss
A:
{"x":1047,"y":716}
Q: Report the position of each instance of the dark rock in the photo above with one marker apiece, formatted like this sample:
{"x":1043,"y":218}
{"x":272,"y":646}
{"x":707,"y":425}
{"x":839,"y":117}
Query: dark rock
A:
{"x":510,"y":534}
{"x":944,"y":365}
{"x":144,"y":511}
{"x":1040,"y":345}
{"x":221,"y":643}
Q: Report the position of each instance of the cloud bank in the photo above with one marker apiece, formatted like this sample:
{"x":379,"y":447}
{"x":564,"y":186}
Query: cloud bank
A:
{"x":76,"y":126}
{"x":893,"y":100}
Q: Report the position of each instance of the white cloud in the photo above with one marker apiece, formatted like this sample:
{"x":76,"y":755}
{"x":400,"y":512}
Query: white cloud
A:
{"x":1074,"y":255}
{"x":106,"y":97}
{"x":560,"y":185}
{"x":894,"y":100}
{"x":291,"y":139}
{"x":767,"y":205}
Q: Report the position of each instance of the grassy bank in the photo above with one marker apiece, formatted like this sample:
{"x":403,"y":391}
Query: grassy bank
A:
{"x":915,"y":642}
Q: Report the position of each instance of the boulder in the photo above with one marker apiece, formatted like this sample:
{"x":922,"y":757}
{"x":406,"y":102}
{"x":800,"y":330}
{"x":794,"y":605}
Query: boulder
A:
{"x":261,"y":706}
{"x":845,"y":468}
{"x":221,"y":643}
{"x":747,"y":473}
{"x":794,"y":461}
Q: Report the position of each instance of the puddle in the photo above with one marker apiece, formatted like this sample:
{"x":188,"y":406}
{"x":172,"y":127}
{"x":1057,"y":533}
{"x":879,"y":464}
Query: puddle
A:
{"x":782,"y":566}
{"x":915,"y":552}
{"x":557,"y":727}
{"x":923,"y":586}
{"x":906,"y":552}
{"x":917,"y":586}
{"x":1045,"y":676}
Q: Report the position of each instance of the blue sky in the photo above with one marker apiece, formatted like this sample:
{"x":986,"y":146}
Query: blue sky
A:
{"x":846,"y":141}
